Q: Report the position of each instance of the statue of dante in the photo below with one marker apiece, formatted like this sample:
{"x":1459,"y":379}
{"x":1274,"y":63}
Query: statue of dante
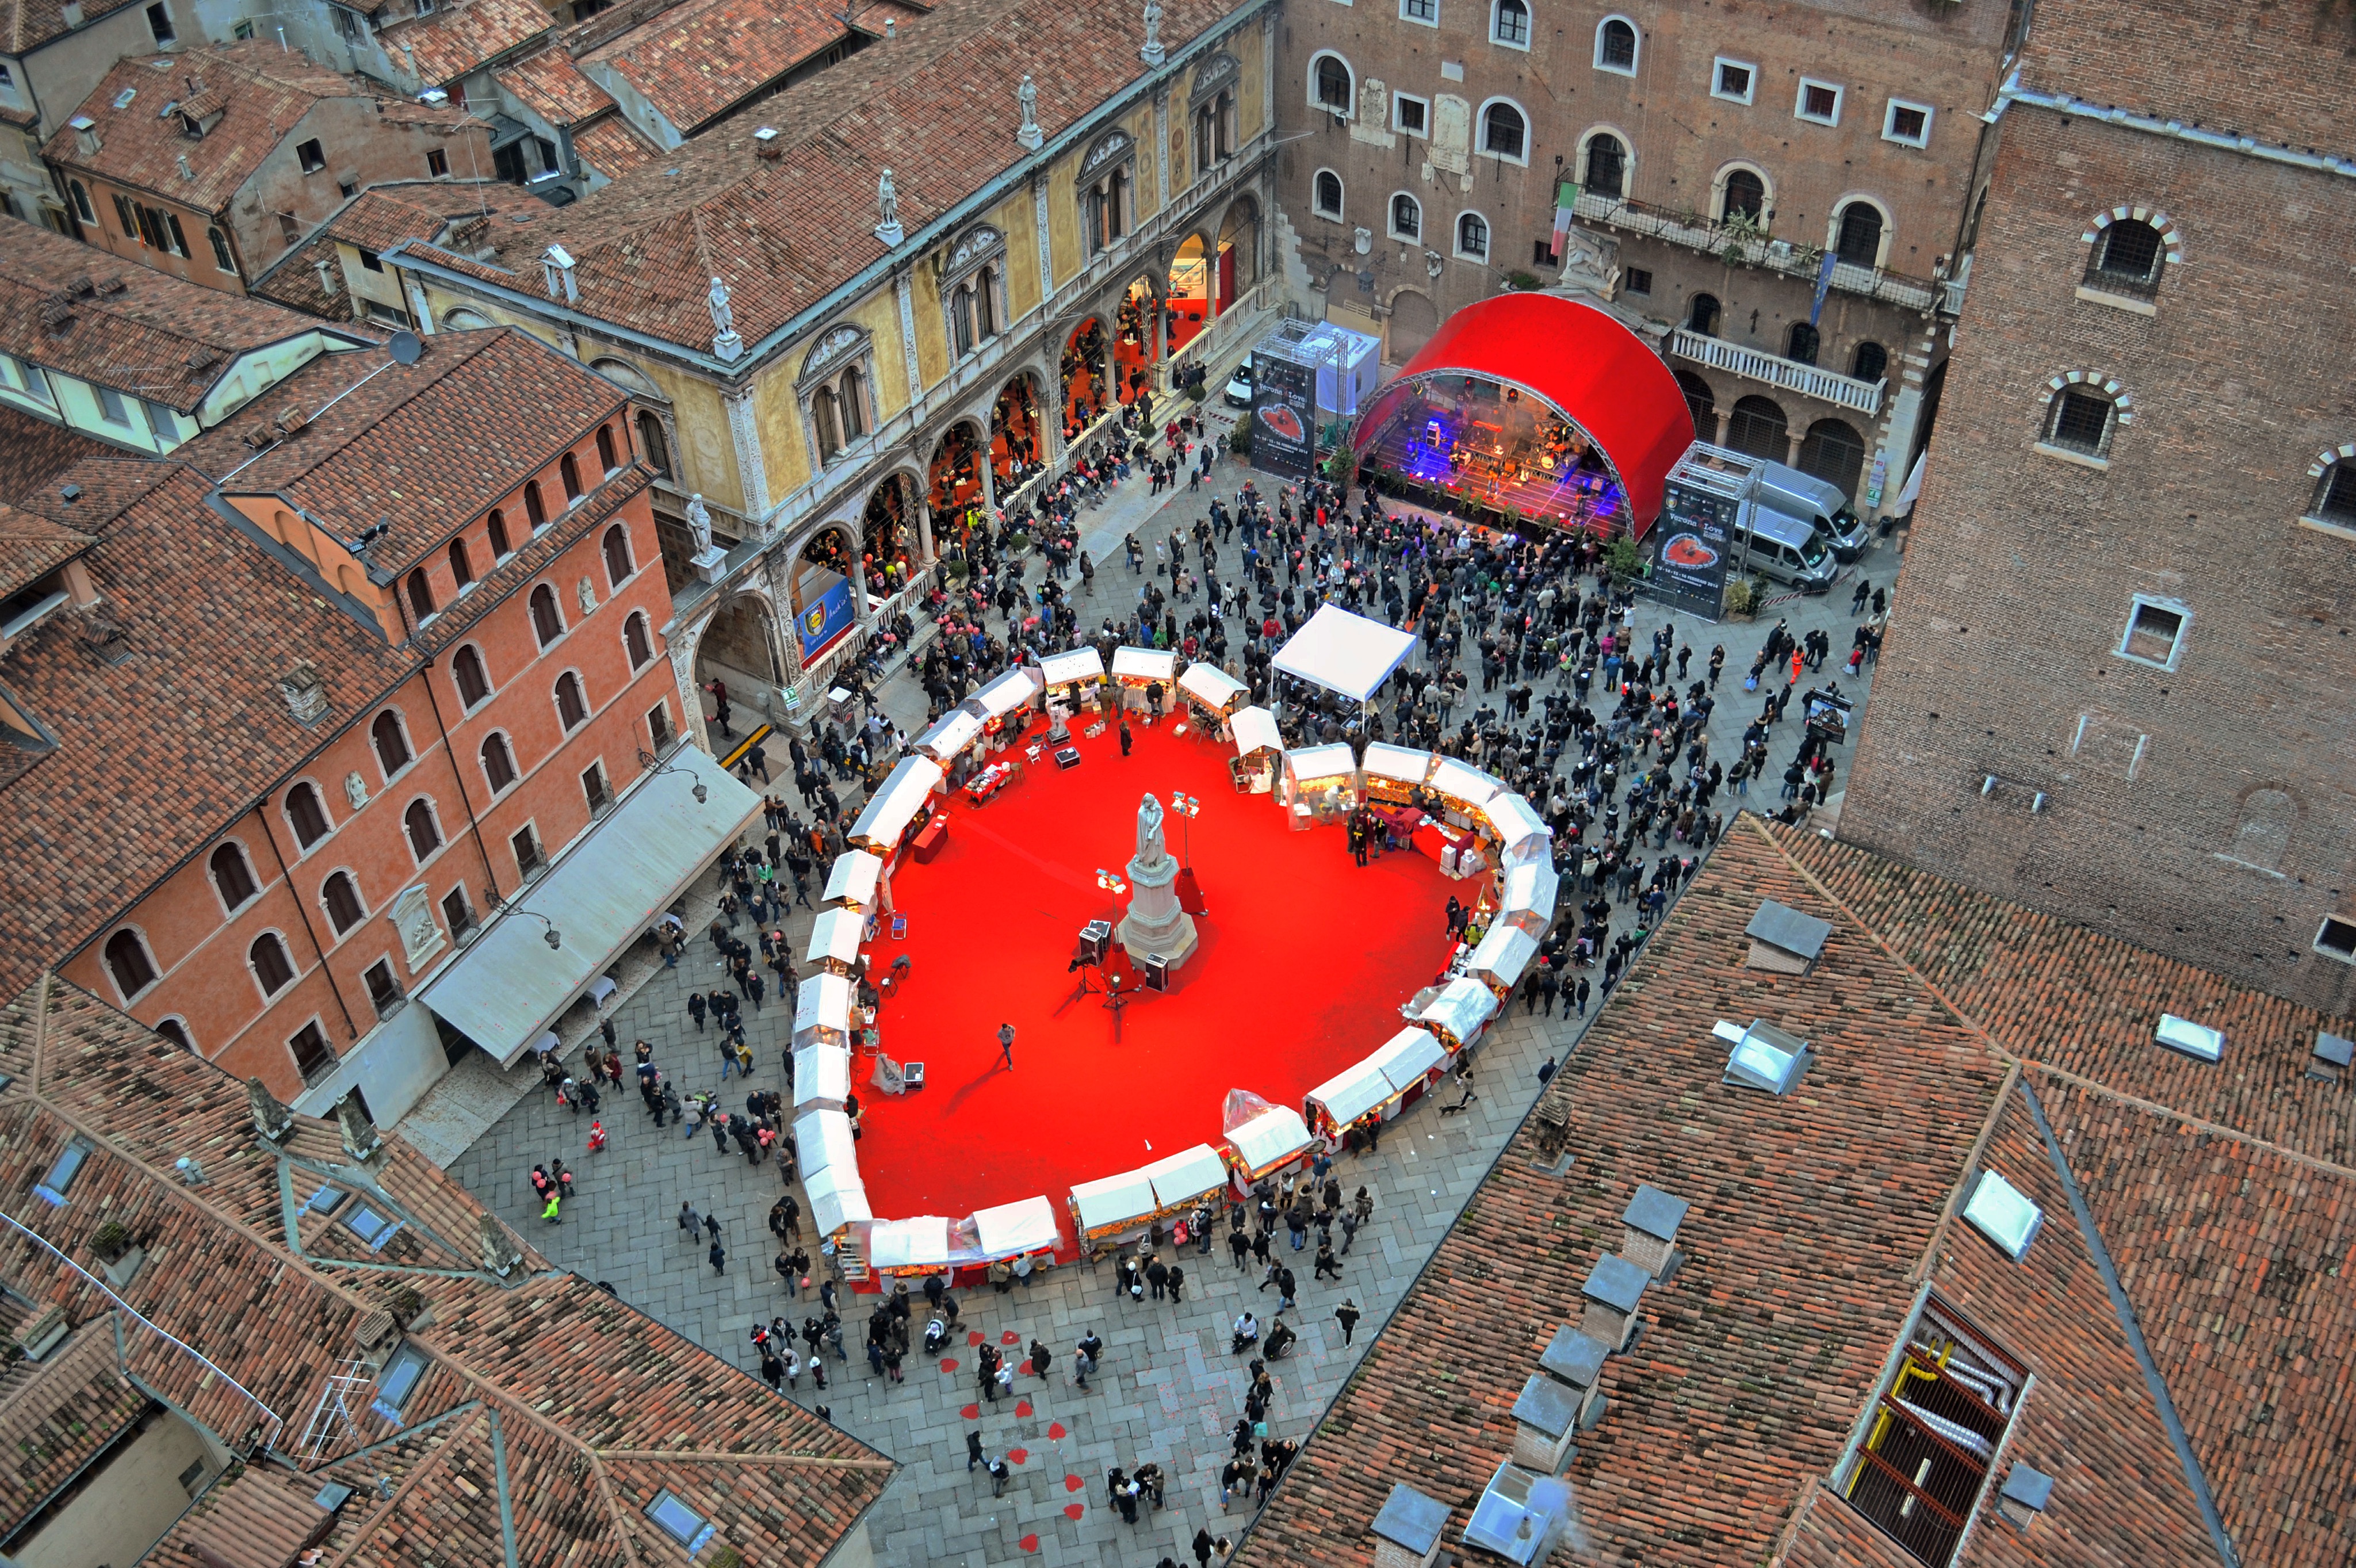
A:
{"x":1149,"y":832}
{"x":698,"y":518}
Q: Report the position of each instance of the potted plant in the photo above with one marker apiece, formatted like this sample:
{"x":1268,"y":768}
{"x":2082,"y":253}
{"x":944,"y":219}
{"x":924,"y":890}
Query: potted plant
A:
{"x":1625,"y":559}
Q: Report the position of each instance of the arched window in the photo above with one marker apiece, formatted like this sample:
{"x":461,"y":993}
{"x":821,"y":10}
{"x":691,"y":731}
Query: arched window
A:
{"x":1510,"y":24}
{"x":855,"y":404}
{"x":534,"y":508}
{"x":2081,"y":420}
{"x":547,"y":621}
{"x":568,"y":472}
{"x":1870,"y":362}
{"x":651,"y":442}
{"x":2127,"y":251}
{"x":177,"y":1031}
{"x":1504,"y":133}
{"x":461,"y":569}
{"x":342,"y":898}
{"x":1701,"y":402}
{"x":1760,"y":429}
{"x":634,"y":640}
{"x":1331,"y":85}
{"x":2335,"y":494}
{"x":1406,"y":217}
{"x":127,"y":963}
{"x":1607,"y":165}
{"x":466,"y":669}
{"x":421,"y":594}
{"x":1858,"y":240}
{"x":828,"y":422}
{"x":1616,"y":46}
{"x":1473,"y":237}
{"x":424,"y":834}
{"x":1701,"y":315}
{"x":392,"y":753}
{"x":1800,"y":343}
{"x":497,"y":523}
{"x":1834,"y":451}
{"x":961,"y":318}
{"x":1328,"y":194}
{"x":572,"y":708}
{"x":273,"y":970}
{"x":498,"y":763}
{"x":306,"y":815}
{"x":605,"y":458}
{"x":617,"y":554}
{"x":232,"y":877}
{"x":1745,"y":195}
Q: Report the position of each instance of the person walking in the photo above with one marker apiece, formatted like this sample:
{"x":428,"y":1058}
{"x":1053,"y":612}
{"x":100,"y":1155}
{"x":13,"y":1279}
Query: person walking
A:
{"x":688,"y":1222}
{"x":1041,"y":1359}
{"x":1327,"y":1266}
{"x":998,"y":1475}
{"x":1006,"y":1047}
{"x":1346,"y":1315}
{"x":973,"y":1451}
{"x":1127,"y":739}
{"x":718,"y":1256}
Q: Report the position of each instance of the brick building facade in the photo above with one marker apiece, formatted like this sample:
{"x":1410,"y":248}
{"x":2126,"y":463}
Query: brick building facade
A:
{"x":1719,"y":160}
{"x":2115,"y":685}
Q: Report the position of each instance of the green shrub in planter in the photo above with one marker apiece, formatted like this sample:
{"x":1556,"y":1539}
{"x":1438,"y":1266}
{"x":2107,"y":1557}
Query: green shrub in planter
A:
{"x":1241,"y":440}
{"x":1626,"y":559}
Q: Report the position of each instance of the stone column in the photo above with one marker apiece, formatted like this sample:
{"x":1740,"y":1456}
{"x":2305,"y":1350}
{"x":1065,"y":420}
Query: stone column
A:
{"x":1793,"y":437}
{"x":683,"y":664}
{"x":1725,"y":423}
{"x":752,"y":473}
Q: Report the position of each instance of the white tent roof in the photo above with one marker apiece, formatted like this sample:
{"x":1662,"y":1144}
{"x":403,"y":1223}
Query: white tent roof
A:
{"x":1271,"y":1138}
{"x":1006,"y":694}
{"x":1462,"y":1006}
{"x":837,"y":1197}
{"x":835,"y":935}
{"x":1335,"y":761}
{"x":1210,"y":685}
{"x":822,"y":1003}
{"x":1255,"y":730}
{"x":1529,"y":894}
{"x":1188,"y":1175}
{"x":1514,"y":823}
{"x":1408,"y":1056}
{"x":507,"y":988}
{"x":822,"y":1141}
{"x":1113,"y":1201}
{"x":1503,"y":955}
{"x":956,"y":730}
{"x":1143,"y":663}
{"x":896,"y":801}
{"x":1399,"y":763}
{"x":1013,"y":1228}
{"x":1079,"y":664}
{"x":1352,"y":1092}
{"x":854,"y":877}
{"x":920,"y":1242}
{"x":1460,"y":780}
{"x":1344,"y":653}
{"x":822,"y":1077}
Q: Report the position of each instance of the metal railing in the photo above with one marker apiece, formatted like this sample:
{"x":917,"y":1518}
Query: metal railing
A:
{"x":1810,"y":381}
{"x":1740,"y":247}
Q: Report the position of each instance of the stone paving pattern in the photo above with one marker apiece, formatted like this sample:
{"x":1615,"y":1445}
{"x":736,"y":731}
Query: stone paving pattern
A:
{"x":1167,"y":1391}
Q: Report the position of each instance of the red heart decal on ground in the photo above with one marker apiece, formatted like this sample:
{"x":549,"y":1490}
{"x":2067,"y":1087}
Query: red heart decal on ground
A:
{"x":1018,"y":1454}
{"x":949,"y":1363}
{"x":1026,"y":1370}
{"x":1023,"y":1407}
{"x":1010,"y":1338}
{"x":973,"y":1336}
{"x":971,"y":1413}
{"x":1075,"y":1510}
{"x":1055,"y":1429}
{"x":1073,"y":1483}
{"x":1029,"y":1544}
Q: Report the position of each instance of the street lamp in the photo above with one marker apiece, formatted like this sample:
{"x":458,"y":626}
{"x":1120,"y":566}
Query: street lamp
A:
{"x":1189,"y":807}
{"x":656,"y":764}
{"x":1110,"y":883}
{"x":552,"y":936}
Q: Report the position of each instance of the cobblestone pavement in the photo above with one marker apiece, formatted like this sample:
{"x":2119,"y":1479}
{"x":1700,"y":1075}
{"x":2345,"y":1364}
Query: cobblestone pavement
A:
{"x":1168,"y":1391}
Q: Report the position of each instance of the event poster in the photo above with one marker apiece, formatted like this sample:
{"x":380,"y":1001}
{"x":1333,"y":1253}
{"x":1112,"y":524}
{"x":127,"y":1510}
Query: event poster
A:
{"x":826,"y":617}
{"x":1690,"y":545}
{"x":1283,"y":427}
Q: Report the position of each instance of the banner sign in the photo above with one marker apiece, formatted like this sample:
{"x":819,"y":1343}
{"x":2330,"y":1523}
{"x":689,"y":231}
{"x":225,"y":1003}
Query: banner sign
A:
{"x":1690,"y":546}
{"x":1283,"y":420}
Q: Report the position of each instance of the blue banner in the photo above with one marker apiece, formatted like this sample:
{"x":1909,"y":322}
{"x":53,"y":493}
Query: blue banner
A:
{"x":1823,"y":285}
{"x":825,"y":621}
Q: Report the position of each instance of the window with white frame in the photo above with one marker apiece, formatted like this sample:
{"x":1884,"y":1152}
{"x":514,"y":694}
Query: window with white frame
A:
{"x":1908,"y":124}
{"x":1326,"y":195}
{"x":1332,"y":85}
{"x":1107,"y":191}
{"x":2334,"y":501}
{"x":1616,"y":46}
{"x":2155,"y":632}
{"x":835,"y":391}
{"x":1505,"y":132}
{"x":1819,"y":102}
{"x":1473,"y":237}
{"x":1510,"y":24}
{"x":1736,"y":80}
{"x":1425,"y":12}
{"x":1410,"y":115}
{"x":1407,"y":218}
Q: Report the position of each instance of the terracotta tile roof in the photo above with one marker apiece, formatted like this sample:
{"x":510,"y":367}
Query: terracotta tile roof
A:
{"x":612,"y":147}
{"x":695,"y":61}
{"x":594,"y":1405}
{"x":60,"y":1413}
{"x":79,"y":310}
{"x":31,"y":546}
{"x":448,"y":43}
{"x":262,"y":91}
{"x":256,"y":1514}
{"x":293,"y":281}
{"x":29,"y":24}
{"x":551,"y":86}
{"x":1816,"y":1219}
{"x":936,"y":106}
{"x":33,"y":451}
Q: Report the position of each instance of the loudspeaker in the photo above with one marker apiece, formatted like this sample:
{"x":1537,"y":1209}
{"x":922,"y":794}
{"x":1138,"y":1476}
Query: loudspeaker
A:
{"x":1155,"y":972}
{"x":1094,"y":938}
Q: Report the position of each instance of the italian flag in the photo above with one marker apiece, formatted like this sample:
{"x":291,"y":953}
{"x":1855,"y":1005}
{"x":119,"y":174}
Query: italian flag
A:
{"x":1566,"y":198}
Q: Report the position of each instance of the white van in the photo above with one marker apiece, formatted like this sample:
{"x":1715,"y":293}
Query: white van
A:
{"x":1818,"y":502}
{"x":1783,"y":549}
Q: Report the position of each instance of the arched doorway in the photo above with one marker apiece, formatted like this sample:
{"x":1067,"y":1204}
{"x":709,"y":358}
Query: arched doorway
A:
{"x":1413,"y":321}
{"x":1190,"y":292}
{"x":1760,"y":429}
{"x":1238,"y":264}
{"x":1833,"y":451}
{"x":826,"y":600}
{"x":738,"y":654}
{"x":1016,"y":443}
{"x":887,"y":528}
{"x":1137,"y":339}
{"x":953,"y":483}
{"x":1085,"y":371}
{"x":1702,"y":403}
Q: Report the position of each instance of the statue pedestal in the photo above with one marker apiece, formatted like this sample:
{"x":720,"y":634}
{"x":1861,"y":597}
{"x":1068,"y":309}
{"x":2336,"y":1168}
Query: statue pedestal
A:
{"x":1155,"y":924}
{"x":708,"y":563}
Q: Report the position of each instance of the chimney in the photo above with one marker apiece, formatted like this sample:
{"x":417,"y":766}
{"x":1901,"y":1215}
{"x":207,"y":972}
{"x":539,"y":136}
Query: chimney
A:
{"x":70,"y":12}
{"x":1546,"y":1422}
{"x":40,"y":1333}
{"x":1575,"y":1361}
{"x":1785,"y":941}
{"x":2024,"y":1496}
{"x":1650,"y":1241}
{"x":188,"y":171}
{"x":361,"y":1140}
{"x":272,"y":1120}
{"x":765,"y":144}
{"x":326,"y":270}
{"x":1408,"y":1531}
{"x":85,"y":129}
{"x":1614,"y":1291}
{"x":556,"y":271}
{"x":500,"y":1251}
{"x":306,"y":693}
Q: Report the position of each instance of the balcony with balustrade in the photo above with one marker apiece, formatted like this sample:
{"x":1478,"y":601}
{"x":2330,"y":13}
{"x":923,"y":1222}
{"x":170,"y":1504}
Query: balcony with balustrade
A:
{"x":1738,"y":244}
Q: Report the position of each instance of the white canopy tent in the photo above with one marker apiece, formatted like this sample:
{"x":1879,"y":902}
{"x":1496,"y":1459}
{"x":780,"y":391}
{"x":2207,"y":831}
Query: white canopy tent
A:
{"x":1312,"y":763}
{"x":1503,"y":957}
{"x":1398,"y":765}
{"x":1212,"y":686}
{"x":1344,"y":653}
{"x":1005,"y":694}
{"x":822,"y":1011}
{"x":837,"y":1197}
{"x":1010,"y":1229}
{"x":1461,"y":781}
{"x":952,"y":733}
{"x":1255,"y":730}
{"x":1143,"y":664}
{"x":854,"y":879}
{"x":1063,"y":669}
{"x":1521,"y":834}
{"x":1350,"y":1094}
{"x":1112,"y":1203}
{"x":1529,"y":894}
{"x":1463,"y":1007}
{"x":895,"y":803}
{"x":821,"y":1078}
{"x":922,"y":1242}
{"x":822,"y":1141}
{"x":1268,"y":1139}
{"x":1186,"y":1177}
{"x":1408,"y":1057}
{"x":834,"y":937}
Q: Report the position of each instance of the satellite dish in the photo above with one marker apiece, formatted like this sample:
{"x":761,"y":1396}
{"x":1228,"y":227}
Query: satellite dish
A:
{"x":407,"y":348}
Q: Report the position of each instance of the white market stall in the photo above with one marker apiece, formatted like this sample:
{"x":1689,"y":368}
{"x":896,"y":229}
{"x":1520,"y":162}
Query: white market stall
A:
{"x":1185,"y":1178}
{"x":1072,"y":681}
{"x":1393,"y":773}
{"x":1106,"y":1207}
{"x":905,"y":1247}
{"x":1320,"y":784}
{"x":822,"y":1012}
{"x":951,"y":734}
{"x":1266,"y":1144}
{"x":822,"y":1141}
{"x":854,"y":880}
{"x":1456,"y":1011}
{"x":821,"y":1078}
{"x":1260,"y":751}
{"x":1528,"y":898}
{"x":1502,"y":958}
{"x":838,"y":1200}
{"x":1006,"y":703}
{"x":1135,"y":669}
{"x":1212,"y":694}
{"x":1354,"y":1092}
{"x":895,"y":805}
{"x":1011,"y":1229}
{"x":1410,"y":1058}
{"x":834,"y":940}
{"x":1521,"y":834}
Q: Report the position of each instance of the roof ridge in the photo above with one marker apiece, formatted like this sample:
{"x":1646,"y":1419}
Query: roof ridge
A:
{"x":368,"y":1525}
{"x":2214,"y":1129}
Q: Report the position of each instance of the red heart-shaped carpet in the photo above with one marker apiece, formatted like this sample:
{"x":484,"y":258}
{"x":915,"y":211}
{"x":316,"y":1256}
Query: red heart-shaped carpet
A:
{"x":1018,"y":1454}
{"x":1075,"y":1510}
{"x":1010,"y":1338}
{"x":974,"y":1337}
{"x":1029,"y":1544}
{"x":1024,"y":1369}
{"x":948,"y":1364}
{"x":1055,"y":1429}
{"x":1073,"y":1483}
{"x":1023,"y":1407}
{"x":971,"y":1413}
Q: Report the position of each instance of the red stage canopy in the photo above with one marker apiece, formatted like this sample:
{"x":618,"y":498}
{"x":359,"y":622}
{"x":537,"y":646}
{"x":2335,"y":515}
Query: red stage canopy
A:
{"x":1596,"y":374}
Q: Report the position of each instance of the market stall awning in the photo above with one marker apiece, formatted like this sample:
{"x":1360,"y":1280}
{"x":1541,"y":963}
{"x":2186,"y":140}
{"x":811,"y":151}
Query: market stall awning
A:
{"x":922,"y":1242}
{"x":1313,"y":762}
{"x":1517,"y":827}
{"x":1185,"y":1176}
{"x":1255,"y":730}
{"x":1010,"y":1229}
{"x":837,"y":1197}
{"x":1113,"y":1202}
{"x":1529,"y":896}
{"x":895,"y":803}
{"x":1006,"y":694}
{"x":1397,"y":764}
{"x":1460,"y":1008}
{"x":1351,"y":1093}
{"x":821,"y":1078}
{"x":822,"y":1010}
{"x":822,"y":1141}
{"x":956,"y":730}
{"x":1211,"y":686}
{"x":1143,"y":664}
{"x":1503,"y":956}
{"x":1270,"y":1139}
{"x":854,"y":878}
{"x":1344,"y":653}
{"x":1063,"y":669}
{"x":507,"y":987}
{"x":834,"y":937}
{"x":1408,"y":1057}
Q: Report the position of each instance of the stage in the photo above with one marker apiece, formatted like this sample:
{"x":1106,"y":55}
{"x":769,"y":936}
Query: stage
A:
{"x":1405,"y":461}
{"x":1304,"y":961}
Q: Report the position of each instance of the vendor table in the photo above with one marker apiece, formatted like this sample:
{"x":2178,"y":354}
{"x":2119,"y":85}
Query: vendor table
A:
{"x":930,"y":839}
{"x":989,"y":781}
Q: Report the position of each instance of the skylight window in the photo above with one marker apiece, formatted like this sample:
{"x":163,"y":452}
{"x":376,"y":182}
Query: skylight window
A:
{"x":2193,"y":1039}
{"x":53,"y":1187}
{"x":371,"y":1227}
{"x":326,"y":1200}
{"x":398,"y":1381}
{"x":679,"y":1522}
{"x":1764,"y":1057}
{"x":2002,"y":1213}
